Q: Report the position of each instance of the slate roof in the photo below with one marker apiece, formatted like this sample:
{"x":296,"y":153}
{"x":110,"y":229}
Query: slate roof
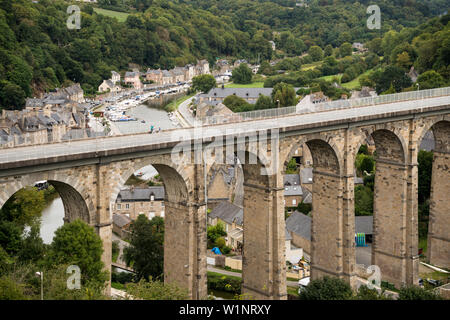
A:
{"x":240,"y":92}
{"x":228,"y":212}
{"x":292,"y":185}
{"x":141,"y":194}
{"x":121,"y":220}
{"x":364,"y":224}
{"x":299,"y":224}
{"x":427,"y":142}
{"x":306,"y":175}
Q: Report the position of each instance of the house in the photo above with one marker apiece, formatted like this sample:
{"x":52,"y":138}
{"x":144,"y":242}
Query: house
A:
{"x":72,"y":93}
{"x":202,"y":67}
{"x":272,"y":43}
{"x":358,"y":46}
{"x":365,"y":92}
{"x":217,"y":95}
{"x":133,"y":78}
{"x":121,"y":225}
{"x":293,"y":193}
{"x":413,"y":75}
{"x":232,"y":216}
{"x":299,"y":227}
{"x":221,"y":184}
{"x":109,"y":86}
{"x":135,"y":201}
{"x":115,"y":77}
{"x":318,"y":97}
{"x":167,"y":77}
{"x":154,"y":75}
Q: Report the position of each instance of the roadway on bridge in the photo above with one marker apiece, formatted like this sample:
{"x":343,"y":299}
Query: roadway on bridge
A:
{"x":186,"y":134}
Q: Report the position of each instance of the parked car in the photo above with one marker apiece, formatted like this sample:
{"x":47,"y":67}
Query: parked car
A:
{"x":302,"y":284}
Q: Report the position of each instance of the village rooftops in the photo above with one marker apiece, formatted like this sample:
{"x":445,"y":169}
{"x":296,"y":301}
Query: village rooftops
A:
{"x":228,"y":212}
{"x":240,"y":92}
{"x":121,"y":220}
{"x":141,"y":194}
{"x":292,"y":185}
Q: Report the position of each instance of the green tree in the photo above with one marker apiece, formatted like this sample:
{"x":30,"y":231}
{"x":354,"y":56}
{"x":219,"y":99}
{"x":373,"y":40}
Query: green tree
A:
{"x":156,"y":290}
{"x":316,"y":53}
{"x":425,"y":161}
{"x":363,"y":201}
{"x":12,"y":96}
{"x":417,"y":293}
{"x":345,"y":50}
{"x":77,"y":243}
{"x":234,"y":103}
{"x":242,"y":74}
{"x":291,"y":167}
{"x":146,"y":250}
{"x":264,"y":102}
{"x":430,"y":79}
{"x":203,"y":83}
{"x":327,"y":288}
{"x":391,"y":76}
{"x":328,"y":50}
{"x":285,"y":94}
{"x":364,"y":293}
{"x":214,"y":233}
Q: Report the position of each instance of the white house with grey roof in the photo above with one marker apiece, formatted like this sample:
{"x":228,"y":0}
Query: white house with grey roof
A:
{"x":232,"y":217}
{"x":217,"y":95}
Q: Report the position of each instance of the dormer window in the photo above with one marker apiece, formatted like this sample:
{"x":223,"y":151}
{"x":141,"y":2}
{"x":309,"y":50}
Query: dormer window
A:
{"x":152,"y":197}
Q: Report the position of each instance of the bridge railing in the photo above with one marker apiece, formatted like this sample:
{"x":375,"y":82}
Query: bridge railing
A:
{"x":326,"y":106}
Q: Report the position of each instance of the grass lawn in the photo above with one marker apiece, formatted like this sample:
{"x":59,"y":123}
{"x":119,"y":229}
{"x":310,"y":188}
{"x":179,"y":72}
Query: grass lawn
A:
{"x":354,"y":84}
{"x":175,"y":103}
{"x":120,"y":16}
{"x":330,"y":78}
{"x":210,"y":273}
{"x":117,"y":285}
{"x":292,"y":291}
{"x":310,"y":66}
{"x":250,"y":85}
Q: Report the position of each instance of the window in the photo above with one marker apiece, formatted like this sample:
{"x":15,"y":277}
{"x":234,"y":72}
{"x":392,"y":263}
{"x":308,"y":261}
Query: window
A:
{"x":294,"y":202}
{"x":152,"y":197}
{"x":162,"y":214}
{"x":127,"y":206}
{"x":162,"y":203}
{"x":118,"y":206}
{"x":151,"y":215}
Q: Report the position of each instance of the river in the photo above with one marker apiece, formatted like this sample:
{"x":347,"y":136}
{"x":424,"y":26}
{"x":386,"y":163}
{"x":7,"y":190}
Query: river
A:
{"x":159,"y":118}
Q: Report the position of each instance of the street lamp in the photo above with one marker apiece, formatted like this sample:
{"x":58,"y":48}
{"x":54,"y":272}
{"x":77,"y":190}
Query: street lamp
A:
{"x":418,"y":86}
{"x":41,"y":274}
{"x":278,"y":101}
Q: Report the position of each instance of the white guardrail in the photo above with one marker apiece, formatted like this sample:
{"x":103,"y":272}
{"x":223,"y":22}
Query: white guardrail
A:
{"x":327,"y":106}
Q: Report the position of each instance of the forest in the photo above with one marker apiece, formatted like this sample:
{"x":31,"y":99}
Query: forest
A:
{"x":39,"y":53}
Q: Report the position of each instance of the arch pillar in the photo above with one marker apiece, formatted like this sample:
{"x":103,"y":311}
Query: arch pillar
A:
{"x":264,"y":256}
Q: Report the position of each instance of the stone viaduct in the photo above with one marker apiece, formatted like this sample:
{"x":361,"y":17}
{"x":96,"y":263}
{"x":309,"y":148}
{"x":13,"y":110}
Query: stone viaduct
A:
{"x":88,"y":175}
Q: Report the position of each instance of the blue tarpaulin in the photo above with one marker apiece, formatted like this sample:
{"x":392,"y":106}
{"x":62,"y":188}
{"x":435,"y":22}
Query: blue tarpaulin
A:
{"x":216,"y":250}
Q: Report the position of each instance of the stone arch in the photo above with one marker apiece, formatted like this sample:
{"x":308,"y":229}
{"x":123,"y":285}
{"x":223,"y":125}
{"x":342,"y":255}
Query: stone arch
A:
{"x":77,"y":202}
{"x":317,"y":143}
{"x":174,"y":176}
{"x":439,"y":220}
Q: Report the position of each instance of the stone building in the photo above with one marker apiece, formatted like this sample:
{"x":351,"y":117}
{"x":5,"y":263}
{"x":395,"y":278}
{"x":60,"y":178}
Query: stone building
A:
{"x":109,"y":85}
{"x":293,"y":193}
{"x":232,"y":217}
{"x":121,"y":225}
{"x":221,"y":184}
{"x":133,"y":78}
{"x":135,"y":201}
{"x":217,"y":95}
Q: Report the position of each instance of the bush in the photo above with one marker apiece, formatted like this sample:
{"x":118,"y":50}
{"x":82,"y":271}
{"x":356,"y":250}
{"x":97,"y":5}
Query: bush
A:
{"x":327,"y":288}
{"x":220,"y":243}
{"x":417,"y":293}
{"x":224,"y":283}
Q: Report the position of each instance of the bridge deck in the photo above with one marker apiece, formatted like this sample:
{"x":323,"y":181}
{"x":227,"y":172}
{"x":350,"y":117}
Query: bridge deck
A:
{"x":116,"y":145}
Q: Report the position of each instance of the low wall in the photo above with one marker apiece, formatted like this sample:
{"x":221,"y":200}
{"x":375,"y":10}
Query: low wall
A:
{"x":235,"y":264}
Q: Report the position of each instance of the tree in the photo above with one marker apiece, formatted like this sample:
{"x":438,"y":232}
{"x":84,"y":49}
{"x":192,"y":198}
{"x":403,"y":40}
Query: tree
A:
{"x":328,"y":50}
{"x":363,"y":201}
{"x":214,"y":233}
{"x":430,"y":79}
{"x":404,"y":60}
{"x":77,"y":243}
{"x":12,"y":96}
{"x":345,"y":49}
{"x":234,"y":103}
{"x":327,"y":288}
{"x":24,"y":207}
{"x":203,"y":83}
{"x":242,"y":74}
{"x":391,"y":76}
{"x":291,"y":167}
{"x":417,"y":293}
{"x":156,"y":290}
{"x":263,"y":102}
{"x":364,"y":293}
{"x":425,"y":161}
{"x":146,"y":250}
{"x":284,"y":93}
{"x":316,"y":53}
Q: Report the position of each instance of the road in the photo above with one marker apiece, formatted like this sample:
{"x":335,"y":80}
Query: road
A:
{"x":105,"y":144}
{"x":237,"y":274}
{"x":183,"y":110}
